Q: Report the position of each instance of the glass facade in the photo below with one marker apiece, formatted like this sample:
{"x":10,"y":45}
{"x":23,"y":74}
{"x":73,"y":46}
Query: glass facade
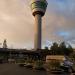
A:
{"x":39,"y":4}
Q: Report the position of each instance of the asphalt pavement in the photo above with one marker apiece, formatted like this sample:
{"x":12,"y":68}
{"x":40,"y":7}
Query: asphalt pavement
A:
{"x":15,"y":69}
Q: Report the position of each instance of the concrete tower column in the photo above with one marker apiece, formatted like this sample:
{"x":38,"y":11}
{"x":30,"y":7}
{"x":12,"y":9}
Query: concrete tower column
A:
{"x":37,"y":41}
{"x":38,"y":8}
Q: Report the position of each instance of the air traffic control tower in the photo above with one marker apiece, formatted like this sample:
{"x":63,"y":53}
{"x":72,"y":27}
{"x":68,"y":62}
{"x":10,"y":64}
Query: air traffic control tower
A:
{"x":38,"y":8}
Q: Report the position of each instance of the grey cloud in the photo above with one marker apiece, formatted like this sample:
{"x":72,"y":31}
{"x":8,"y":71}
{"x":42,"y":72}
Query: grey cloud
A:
{"x":17,"y":22}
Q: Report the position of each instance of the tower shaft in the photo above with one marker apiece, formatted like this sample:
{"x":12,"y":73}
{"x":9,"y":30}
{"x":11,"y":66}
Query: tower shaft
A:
{"x":37,"y":41}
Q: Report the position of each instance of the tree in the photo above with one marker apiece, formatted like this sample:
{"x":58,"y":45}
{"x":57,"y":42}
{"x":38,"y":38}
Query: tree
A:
{"x":70,"y":50}
{"x":62,"y":48}
{"x":54,"y":48}
{"x":46,"y":48}
{"x":65,"y":50}
{"x":5,"y":43}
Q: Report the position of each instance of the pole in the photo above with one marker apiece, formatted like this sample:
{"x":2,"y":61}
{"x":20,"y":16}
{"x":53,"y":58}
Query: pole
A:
{"x":37,"y":41}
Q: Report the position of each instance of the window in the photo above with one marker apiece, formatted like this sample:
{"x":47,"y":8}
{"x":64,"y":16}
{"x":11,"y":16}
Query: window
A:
{"x":39,"y":4}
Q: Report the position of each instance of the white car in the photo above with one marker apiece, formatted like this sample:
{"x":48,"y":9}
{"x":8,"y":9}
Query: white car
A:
{"x":67,"y":66}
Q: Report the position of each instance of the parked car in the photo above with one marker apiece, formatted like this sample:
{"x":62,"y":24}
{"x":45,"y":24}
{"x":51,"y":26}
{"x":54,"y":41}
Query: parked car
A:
{"x":67,"y":66}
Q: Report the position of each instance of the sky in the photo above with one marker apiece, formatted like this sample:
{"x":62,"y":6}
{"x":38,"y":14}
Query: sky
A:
{"x":17,"y":23}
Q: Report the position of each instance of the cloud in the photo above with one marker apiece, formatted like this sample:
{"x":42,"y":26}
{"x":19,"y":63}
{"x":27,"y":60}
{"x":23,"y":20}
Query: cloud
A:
{"x":60,"y":18}
{"x":17,"y":22}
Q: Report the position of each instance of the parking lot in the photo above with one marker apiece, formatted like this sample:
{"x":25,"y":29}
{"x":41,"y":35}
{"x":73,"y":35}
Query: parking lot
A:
{"x":15,"y":69}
